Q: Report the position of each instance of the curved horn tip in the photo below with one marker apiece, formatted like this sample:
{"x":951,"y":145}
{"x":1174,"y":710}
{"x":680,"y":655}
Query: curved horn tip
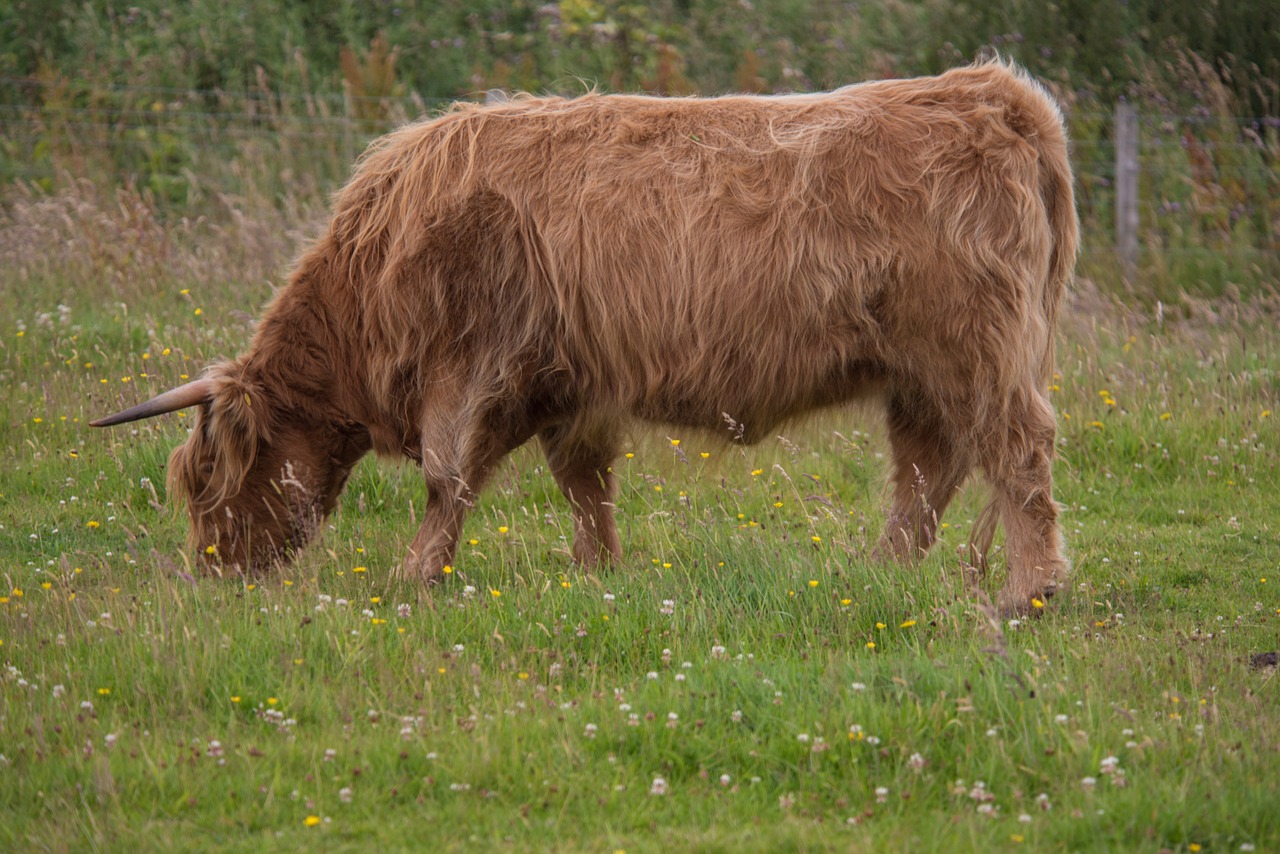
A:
{"x":190,"y":394}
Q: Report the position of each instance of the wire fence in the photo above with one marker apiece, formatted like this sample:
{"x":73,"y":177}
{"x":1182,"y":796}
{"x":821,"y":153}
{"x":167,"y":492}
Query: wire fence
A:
{"x":1208,"y":186}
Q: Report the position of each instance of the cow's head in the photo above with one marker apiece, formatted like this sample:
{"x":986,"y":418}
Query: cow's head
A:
{"x":257,"y":477}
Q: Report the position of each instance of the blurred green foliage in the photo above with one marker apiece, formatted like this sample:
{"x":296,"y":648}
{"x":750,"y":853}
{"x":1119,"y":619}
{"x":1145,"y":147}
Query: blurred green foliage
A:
{"x":452,"y":48}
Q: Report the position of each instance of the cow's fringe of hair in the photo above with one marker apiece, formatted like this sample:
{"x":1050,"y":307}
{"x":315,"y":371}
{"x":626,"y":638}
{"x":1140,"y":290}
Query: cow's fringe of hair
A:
{"x":229,"y":430}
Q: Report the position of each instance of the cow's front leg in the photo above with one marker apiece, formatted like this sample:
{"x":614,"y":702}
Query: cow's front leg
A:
{"x":579,"y":455}
{"x":458,"y":455}
{"x":436,"y":542}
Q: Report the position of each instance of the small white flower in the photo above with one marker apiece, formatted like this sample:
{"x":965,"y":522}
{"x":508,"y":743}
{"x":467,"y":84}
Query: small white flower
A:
{"x":404,"y":609}
{"x":917,"y":762}
{"x":659,"y":786}
{"x":590,"y":730}
{"x":725,"y":779}
{"x":1089,"y":783}
{"x":859,"y":686}
{"x":345,"y":794}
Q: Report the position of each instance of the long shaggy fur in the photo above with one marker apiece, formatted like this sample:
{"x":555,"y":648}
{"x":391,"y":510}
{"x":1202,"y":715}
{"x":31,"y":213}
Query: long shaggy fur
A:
{"x":560,"y":267}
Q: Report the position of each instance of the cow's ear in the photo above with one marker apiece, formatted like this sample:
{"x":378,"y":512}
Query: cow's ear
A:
{"x":235,"y":424}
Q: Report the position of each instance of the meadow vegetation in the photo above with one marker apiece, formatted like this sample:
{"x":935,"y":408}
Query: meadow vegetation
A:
{"x":748,"y":678}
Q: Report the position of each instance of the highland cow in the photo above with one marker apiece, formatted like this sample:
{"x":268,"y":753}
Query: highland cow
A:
{"x":562,"y":268}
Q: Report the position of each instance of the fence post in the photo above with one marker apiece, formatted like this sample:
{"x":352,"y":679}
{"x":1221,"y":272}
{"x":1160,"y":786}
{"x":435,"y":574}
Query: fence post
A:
{"x":1127,"y":190}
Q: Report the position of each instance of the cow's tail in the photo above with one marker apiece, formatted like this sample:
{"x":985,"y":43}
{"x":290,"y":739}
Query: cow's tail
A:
{"x":1064,"y":228}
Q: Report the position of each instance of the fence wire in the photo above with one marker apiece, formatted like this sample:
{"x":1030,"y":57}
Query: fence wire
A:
{"x":1208,"y":185}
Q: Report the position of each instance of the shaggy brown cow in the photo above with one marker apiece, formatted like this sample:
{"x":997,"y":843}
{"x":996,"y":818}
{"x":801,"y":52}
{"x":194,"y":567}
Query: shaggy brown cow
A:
{"x":560,"y":267}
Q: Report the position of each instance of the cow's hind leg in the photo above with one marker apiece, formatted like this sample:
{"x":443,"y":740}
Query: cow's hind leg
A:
{"x":930,"y":462}
{"x":580,"y":456}
{"x":1017,"y":456}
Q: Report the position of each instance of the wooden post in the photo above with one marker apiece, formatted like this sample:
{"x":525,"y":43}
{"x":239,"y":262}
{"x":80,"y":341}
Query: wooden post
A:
{"x":1127,"y":190}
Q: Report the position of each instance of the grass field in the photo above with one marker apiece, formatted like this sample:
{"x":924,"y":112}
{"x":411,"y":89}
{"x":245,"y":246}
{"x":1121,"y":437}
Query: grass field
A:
{"x":747,"y":679}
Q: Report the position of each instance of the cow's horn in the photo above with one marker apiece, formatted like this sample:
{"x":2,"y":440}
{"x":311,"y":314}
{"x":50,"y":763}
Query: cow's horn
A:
{"x":196,"y":391}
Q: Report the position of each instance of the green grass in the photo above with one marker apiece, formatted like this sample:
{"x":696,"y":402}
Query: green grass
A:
{"x":497,"y":710}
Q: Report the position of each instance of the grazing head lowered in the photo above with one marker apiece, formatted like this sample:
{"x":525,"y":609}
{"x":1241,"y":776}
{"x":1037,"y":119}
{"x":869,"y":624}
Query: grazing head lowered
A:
{"x":261,"y":468}
{"x":560,"y":268}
